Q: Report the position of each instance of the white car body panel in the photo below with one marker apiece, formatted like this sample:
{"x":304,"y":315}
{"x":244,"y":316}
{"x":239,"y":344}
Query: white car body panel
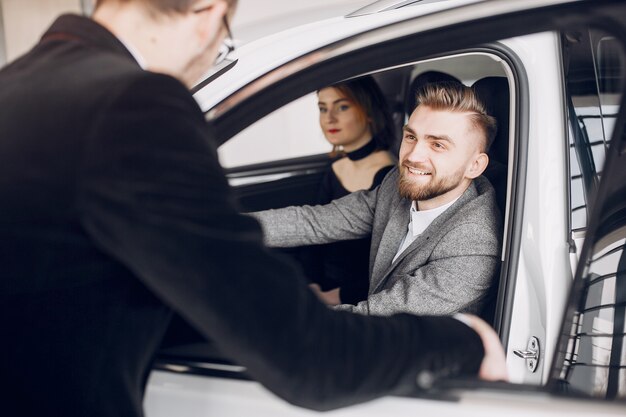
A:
{"x":171,"y":395}
{"x":543,"y":266}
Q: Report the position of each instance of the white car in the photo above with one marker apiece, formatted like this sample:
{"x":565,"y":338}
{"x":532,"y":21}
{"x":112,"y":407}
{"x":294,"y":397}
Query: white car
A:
{"x":553,"y":73}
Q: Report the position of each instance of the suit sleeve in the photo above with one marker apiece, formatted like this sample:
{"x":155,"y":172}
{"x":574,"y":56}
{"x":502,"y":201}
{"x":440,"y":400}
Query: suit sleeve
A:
{"x":153,"y":196}
{"x":347,"y":218}
{"x":456,"y":279}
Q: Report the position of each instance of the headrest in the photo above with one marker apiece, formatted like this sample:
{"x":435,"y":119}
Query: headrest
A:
{"x":494,"y":93}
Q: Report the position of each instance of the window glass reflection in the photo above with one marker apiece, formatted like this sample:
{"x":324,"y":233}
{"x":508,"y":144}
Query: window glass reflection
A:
{"x":593,"y":64}
{"x":595,"y":362}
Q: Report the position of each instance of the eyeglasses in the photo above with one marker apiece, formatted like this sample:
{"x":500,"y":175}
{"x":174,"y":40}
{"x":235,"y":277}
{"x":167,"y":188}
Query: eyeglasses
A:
{"x":228,"y":44}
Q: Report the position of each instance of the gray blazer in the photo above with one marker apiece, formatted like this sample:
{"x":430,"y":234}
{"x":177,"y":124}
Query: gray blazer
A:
{"x":447,"y":269}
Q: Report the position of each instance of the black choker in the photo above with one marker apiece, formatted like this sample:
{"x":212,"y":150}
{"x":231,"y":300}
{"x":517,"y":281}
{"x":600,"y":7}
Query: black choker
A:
{"x":363,"y":151}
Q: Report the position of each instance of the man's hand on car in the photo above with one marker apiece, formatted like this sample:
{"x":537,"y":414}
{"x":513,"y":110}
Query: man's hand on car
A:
{"x":493,"y":366}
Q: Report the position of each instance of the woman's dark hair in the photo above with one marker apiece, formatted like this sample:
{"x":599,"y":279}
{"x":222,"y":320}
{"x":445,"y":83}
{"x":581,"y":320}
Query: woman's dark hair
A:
{"x":365,"y":93}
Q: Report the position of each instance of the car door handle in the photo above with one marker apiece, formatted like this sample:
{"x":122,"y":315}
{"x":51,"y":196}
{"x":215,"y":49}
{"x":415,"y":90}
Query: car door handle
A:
{"x":526,"y":354}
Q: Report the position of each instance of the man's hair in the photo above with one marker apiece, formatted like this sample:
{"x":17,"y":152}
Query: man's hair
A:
{"x":168,"y":6}
{"x":456,"y":97}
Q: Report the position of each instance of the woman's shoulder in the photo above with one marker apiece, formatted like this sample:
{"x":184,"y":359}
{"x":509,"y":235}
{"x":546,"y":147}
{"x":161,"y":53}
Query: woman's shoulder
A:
{"x":351,"y":177}
{"x":380,"y":175}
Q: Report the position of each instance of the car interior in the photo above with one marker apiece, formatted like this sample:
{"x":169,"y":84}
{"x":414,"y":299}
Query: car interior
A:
{"x":480,"y":71}
{"x":274,"y":182}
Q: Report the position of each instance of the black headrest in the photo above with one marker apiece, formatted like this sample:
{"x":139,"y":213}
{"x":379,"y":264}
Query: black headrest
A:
{"x":494,"y":93}
{"x":420,"y":81}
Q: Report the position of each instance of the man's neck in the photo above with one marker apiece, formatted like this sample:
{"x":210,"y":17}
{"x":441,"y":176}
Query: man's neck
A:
{"x":143,"y":36}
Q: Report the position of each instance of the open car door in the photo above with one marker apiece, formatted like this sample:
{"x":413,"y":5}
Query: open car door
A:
{"x":591,"y":356}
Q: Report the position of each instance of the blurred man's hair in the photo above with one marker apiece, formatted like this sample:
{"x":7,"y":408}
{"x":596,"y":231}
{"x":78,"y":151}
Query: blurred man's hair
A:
{"x":167,"y":6}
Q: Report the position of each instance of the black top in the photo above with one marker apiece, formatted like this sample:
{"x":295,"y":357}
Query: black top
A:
{"x":115,"y":212}
{"x":331,"y":187}
{"x":341,"y":264}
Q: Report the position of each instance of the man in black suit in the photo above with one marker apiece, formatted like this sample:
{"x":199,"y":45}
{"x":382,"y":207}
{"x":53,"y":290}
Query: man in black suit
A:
{"x":114,"y":212}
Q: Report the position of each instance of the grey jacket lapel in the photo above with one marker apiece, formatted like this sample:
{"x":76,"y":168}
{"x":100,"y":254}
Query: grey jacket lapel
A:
{"x":394,"y":235}
{"x":390,"y":241}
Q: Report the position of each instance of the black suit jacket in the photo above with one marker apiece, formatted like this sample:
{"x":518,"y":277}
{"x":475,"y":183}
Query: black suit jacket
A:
{"x":114,"y":212}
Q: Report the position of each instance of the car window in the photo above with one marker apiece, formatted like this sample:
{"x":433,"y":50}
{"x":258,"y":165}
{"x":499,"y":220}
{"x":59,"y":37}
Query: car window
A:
{"x":592,"y":360}
{"x":293,"y":130}
{"x":595,"y":361}
{"x":289,"y":132}
{"x":593,"y":61}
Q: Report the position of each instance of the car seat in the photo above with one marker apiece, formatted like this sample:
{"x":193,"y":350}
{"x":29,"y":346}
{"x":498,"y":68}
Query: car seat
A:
{"x":494,"y":93}
{"x":394,"y":85}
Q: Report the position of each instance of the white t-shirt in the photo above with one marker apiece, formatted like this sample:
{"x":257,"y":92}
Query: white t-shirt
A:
{"x":420,"y":220}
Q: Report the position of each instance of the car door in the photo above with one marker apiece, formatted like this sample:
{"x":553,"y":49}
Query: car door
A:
{"x":591,"y":357}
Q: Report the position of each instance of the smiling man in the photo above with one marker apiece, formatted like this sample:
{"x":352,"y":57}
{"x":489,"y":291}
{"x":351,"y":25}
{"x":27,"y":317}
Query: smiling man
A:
{"x":434,"y":222}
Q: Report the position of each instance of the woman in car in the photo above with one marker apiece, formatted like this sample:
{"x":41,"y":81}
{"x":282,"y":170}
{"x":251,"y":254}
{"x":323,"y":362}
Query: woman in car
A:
{"x":355,"y":119}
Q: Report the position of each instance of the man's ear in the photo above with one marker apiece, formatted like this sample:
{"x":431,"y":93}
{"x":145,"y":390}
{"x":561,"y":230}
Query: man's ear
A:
{"x":208,"y":21}
{"x":477,"y":165}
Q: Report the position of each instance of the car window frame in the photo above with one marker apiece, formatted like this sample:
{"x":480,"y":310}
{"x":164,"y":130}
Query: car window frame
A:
{"x":518,"y":151}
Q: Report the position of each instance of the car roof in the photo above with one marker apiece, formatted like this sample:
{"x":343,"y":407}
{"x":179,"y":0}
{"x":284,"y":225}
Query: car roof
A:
{"x":258,"y":57}
{"x":386,"y":5}
{"x":249,"y":25}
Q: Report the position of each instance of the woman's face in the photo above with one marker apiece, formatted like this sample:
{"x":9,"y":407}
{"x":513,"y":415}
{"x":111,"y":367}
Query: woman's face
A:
{"x":342,"y":120}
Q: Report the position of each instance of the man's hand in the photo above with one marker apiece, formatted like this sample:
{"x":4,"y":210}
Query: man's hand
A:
{"x":493,"y":366}
{"x":330,"y":298}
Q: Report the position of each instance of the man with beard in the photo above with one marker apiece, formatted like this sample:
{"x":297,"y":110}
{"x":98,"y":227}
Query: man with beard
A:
{"x":434,"y":221}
